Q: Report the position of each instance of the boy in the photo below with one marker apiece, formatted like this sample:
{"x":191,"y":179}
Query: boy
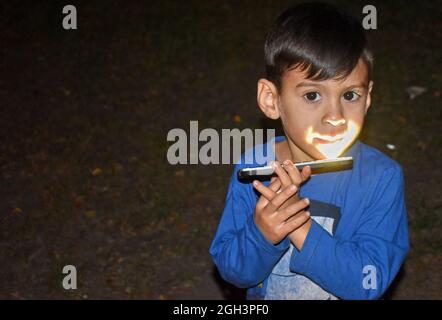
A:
{"x":353,"y":239}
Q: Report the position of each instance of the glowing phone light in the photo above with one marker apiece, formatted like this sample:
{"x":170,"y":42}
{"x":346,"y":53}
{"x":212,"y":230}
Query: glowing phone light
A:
{"x":333,"y":146}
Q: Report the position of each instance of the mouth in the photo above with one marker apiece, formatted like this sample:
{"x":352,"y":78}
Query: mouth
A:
{"x":332,"y":146}
{"x":325,"y":140}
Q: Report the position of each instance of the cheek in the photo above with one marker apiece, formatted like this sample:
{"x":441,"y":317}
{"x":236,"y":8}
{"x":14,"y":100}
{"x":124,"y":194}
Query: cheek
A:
{"x":355,"y":113}
{"x":293,"y":111}
{"x":298,"y":119}
{"x":294,"y":121}
{"x":356,"y":116}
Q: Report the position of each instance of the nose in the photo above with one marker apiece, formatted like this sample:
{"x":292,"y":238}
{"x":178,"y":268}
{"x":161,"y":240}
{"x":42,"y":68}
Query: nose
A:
{"x":335,"y":122}
{"x":334,"y":115}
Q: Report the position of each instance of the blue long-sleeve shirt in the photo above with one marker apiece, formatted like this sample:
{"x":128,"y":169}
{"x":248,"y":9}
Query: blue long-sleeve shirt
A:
{"x":356,"y":244}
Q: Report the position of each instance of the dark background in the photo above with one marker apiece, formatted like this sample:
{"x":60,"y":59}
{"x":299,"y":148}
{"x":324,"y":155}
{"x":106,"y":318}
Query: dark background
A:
{"x":83,"y":125}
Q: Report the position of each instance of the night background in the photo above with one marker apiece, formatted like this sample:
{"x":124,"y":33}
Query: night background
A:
{"x":84,"y":116}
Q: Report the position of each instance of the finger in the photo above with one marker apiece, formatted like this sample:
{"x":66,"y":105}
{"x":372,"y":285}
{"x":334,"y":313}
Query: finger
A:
{"x":296,"y":222}
{"x":266,"y":194}
{"x":282,"y":174}
{"x":281,"y":197}
{"x":305,"y":173}
{"x":262,"y":202}
{"x":293,"y":172}
{"x":293,"y":209}
{"x":275,"y":185}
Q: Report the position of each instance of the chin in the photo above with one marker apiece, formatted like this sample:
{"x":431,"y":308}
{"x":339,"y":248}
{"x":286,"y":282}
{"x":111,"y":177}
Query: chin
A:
{"x":319,"y":156}
{"x":314,"y":153}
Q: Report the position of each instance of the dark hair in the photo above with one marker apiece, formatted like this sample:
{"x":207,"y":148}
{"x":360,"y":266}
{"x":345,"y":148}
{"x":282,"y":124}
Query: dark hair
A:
{"x":317,"y":38}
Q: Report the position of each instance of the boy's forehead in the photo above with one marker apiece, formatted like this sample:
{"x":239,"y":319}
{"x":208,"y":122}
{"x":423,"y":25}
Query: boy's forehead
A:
{"x":358,"y":76}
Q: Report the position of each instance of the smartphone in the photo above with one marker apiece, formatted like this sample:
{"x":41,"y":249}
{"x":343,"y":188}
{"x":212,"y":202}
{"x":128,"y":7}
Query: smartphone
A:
{"x":317,"y":166}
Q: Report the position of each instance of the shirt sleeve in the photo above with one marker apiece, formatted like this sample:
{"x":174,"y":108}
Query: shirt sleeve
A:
{"x":363,"y":266}
{"x":243,"y":255}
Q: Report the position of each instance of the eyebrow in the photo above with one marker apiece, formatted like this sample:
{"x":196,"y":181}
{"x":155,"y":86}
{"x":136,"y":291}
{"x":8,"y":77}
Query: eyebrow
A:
{"x":358,"y":85}
{"x":315,"y":84}
{"x":308,"y":84}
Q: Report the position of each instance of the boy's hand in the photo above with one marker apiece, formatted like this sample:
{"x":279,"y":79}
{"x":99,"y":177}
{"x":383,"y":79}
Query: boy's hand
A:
{"x":291,"y":174}
{"x":287,"y":175}
{"x":275,"y":221}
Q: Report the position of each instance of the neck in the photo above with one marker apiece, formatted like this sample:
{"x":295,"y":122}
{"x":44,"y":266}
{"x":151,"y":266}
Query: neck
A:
{"x":288,"y":150}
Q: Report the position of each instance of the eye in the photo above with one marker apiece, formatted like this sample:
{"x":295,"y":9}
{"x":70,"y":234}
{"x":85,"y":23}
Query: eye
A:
{"x":312,"y":96}
{"x":351,"y":96}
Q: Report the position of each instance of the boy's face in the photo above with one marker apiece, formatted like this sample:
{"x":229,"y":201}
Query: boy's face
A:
{"x":320,"y":118}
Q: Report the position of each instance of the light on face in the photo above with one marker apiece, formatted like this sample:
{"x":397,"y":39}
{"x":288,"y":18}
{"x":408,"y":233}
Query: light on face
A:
{"x":332,"y":147}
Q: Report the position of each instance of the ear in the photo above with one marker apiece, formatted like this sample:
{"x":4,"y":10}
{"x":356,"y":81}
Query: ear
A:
{"x":268,"y":98}
{"x":368,"y":100}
